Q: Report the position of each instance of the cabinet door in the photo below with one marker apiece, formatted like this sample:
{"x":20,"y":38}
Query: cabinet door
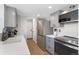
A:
{"x":54,"y":20}
{"x":1,"y":17}
{"x":9,"y":16}
{"x":50,"y":45}
{"x":47,"y":43}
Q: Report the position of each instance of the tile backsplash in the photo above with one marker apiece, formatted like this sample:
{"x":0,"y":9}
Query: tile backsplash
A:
{"x":69,"y":29}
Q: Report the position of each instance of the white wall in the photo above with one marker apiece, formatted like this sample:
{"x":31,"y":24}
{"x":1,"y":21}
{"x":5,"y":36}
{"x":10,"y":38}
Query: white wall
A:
{"x":23,"y":26}
{"x":1,"y":17}
{"x":22,"y":29}
{"x":70,"y":29}
{"x":35,"y":30}
{"x":29,"y":28}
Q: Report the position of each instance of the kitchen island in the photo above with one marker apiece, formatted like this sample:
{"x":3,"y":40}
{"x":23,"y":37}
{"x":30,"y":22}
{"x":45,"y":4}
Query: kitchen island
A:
{"x":14,"y":46}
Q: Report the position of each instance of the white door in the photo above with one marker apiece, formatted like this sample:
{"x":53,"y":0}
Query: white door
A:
{"x":29,"y":28}
{"x":35,"y":30}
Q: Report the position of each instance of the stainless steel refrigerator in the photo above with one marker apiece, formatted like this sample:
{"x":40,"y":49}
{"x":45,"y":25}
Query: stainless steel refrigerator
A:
{"x":43,"y":29}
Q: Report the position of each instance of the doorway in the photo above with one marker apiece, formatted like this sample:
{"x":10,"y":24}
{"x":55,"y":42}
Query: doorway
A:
{"x":30,"y":28}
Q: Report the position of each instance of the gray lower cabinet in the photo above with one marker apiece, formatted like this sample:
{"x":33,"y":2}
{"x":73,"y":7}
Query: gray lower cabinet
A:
{"x":50,"y":44}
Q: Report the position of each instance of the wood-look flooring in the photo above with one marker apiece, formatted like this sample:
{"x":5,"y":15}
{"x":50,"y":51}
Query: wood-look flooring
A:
{"x":34,"y":49}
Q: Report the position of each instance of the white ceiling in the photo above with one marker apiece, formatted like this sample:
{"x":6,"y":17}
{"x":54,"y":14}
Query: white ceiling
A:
{"x":31,"y":10}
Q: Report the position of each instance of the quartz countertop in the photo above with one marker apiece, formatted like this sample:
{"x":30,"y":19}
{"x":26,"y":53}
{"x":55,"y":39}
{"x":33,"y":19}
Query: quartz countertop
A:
{"x":14,"y":46}
{"x":51,"y":36}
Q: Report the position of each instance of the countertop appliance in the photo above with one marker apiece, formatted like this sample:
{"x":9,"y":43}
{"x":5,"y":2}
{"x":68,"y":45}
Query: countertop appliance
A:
{"x":66,"y":45}
{"x":8,"y":32}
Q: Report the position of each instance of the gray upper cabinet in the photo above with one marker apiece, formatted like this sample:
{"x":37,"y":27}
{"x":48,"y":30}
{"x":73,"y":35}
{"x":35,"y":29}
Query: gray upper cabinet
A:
{"x":9,"y":16}
{"x":54,"y":18}
{"x":1,"y":17}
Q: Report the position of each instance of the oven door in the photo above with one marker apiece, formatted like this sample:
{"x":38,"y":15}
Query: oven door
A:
{"x":61,"y":49}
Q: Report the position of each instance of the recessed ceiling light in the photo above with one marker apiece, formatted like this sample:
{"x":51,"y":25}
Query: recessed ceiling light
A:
{"x":50,"y":7}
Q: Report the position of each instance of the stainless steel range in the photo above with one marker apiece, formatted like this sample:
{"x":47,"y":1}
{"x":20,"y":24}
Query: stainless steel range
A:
{"x":66,"y":45}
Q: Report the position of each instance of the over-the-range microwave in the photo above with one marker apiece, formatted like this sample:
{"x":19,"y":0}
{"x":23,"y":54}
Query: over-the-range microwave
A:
{"x":69,"y":17}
